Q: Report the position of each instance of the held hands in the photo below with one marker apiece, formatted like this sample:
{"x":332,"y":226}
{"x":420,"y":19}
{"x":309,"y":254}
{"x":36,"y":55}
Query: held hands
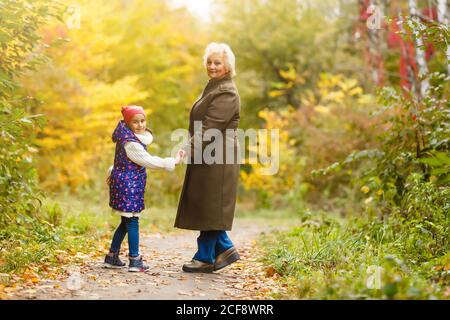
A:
{"x":180,"y":156}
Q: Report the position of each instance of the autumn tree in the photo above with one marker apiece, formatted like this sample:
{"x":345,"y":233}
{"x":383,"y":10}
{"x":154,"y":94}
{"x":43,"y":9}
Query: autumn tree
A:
{"x":21,"y":50}
{"x":118,"y":53}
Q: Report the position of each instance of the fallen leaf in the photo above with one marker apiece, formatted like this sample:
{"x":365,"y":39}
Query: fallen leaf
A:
{"x":46,"y":287}
{"x":170,"y":272}
{"x":270,"y":272}
{"x":218,"y":280}
{"x":5,"y":276}
{"x":122,"y":284}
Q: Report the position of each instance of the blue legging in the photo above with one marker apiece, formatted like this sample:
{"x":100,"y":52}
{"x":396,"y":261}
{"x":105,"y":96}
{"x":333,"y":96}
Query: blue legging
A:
{"x":130,"y":226}
{"x":211,"y":244}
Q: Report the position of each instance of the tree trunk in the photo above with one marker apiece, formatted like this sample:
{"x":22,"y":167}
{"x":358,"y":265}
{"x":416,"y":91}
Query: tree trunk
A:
{"x":373,"y":10}
{"x":442,"y":18}
{"x":420,"y":53}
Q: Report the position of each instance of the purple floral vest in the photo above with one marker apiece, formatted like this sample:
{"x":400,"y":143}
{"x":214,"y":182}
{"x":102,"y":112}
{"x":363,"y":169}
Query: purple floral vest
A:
{"x":126,"y":191}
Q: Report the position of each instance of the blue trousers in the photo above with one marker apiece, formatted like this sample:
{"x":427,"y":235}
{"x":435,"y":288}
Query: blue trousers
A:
{"x":130,"y":226}
{"x":211,"y":244}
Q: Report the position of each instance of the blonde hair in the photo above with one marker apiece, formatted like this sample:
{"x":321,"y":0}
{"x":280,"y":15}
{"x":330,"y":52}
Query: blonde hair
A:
{"x":225,"y":50}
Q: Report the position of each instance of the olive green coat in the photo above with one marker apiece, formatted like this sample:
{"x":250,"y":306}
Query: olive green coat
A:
{"x":208,"y":198}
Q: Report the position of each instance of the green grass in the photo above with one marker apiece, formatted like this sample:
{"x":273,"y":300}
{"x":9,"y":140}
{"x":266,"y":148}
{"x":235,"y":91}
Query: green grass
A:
{"x":270,"y":217}
{"x":327,"y":257}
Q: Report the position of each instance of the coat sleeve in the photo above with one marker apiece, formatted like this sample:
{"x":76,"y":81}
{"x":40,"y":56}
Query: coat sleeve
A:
{"x":136,"y":153}
{"x":219,"y":113}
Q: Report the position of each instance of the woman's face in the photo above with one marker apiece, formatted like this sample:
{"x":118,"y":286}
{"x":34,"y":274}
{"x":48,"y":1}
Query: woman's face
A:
{"x":215,"y":66}
{"x":138,"y":123}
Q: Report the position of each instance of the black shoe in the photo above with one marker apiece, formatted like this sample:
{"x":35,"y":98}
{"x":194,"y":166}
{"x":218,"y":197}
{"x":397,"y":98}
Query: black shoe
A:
{"x":137,"y":265}
{"x":112,"y":261}
{"x":198,"y":266}
{"x":226,"y":258}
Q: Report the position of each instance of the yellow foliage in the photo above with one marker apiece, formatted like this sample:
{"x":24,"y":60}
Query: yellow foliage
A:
{"x":81,"y":107}
{"x":276,"y":93}
{"x":290,"y":74}
{"x":336,"y":88}
{"x":365,"y":189}
{"x":283,"y":152}
{"x":322,"y":109}
{"x":337,"y":111}
{"x":121,"y":53}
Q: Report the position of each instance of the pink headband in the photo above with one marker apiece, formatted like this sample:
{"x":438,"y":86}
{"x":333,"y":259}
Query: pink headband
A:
{"x":129,"y":112}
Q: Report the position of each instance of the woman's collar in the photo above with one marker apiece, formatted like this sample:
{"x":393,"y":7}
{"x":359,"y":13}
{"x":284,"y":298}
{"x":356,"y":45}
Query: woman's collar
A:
{"x":226,"y":77}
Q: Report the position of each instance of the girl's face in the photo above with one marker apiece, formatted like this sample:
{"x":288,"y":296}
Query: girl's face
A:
{"x":215,"y":66}
{"x":138,"y":123}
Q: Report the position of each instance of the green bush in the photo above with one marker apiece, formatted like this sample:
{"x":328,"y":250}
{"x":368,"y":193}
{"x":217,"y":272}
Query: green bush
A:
{"x":414,"y":145}
{"x":19,"y":48}
{"x":327,"y":257}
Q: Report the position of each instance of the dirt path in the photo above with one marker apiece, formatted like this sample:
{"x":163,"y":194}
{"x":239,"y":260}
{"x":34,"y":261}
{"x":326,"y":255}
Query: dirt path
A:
{"x":166,"y":253}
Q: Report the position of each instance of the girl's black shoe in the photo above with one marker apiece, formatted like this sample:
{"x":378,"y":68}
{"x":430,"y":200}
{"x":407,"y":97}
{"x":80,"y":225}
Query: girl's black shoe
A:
{"x":112,"y":261}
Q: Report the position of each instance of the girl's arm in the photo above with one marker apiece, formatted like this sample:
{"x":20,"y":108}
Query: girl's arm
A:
{"x":136,"y":153}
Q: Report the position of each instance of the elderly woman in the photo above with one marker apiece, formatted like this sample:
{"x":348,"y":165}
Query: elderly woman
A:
{"x":208,"y":197}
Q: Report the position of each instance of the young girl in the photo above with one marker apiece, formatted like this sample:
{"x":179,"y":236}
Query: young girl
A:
{"x":127,"y":183}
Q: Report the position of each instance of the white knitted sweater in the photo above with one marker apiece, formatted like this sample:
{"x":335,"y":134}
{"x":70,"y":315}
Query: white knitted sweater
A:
{"x":136,"y":153}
